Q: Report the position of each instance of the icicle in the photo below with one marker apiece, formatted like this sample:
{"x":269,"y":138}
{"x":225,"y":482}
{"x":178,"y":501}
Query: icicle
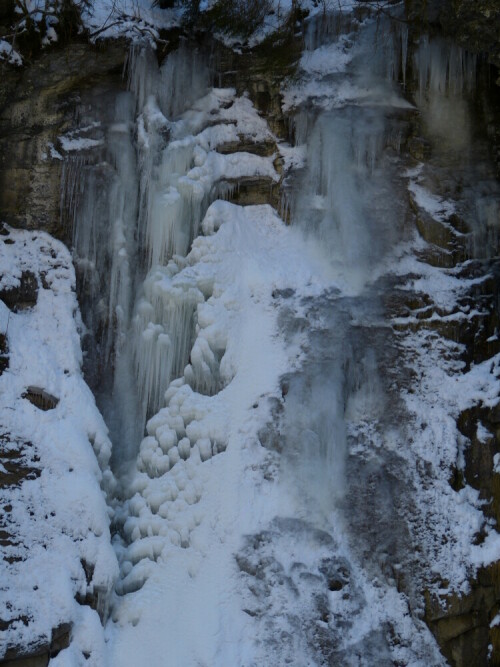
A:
{"x":327,"y":27}
{"x":166,"y":311}
{"x":444,"y":69}
{"x":138,"y":209}
{"x":71,"y":189}
{"x":203,"y":373}
{"x":404,"y":51}
{"x":184,"y":78}
{"x":143,"y":74}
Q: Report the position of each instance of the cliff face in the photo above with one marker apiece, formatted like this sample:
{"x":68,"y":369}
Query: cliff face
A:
{"x":38,"y":105}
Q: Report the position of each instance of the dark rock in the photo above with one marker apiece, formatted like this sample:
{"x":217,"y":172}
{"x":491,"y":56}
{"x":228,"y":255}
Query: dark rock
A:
{"x":473,"y":24}
{"x":40,"y":398}
{"x":263,"y":148}
{"x":461,"y":624}
{"x":418,"y":148}
{"x":494,"y":414}
{"x":18,"y":465}
{"x":40,"y":660}
{"x":60,"y":638}
{"x":250,"y":190}
{"x":37,"y":104}
{"x":24,"y":296}
{"x":479,"y":456}
{"x":4,"y":353}
{"x":261,"y":72}
{"x":39,"y":654}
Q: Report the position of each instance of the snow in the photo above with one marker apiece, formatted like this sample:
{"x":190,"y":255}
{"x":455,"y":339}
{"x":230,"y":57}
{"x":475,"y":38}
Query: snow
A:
{"x":138,"y":20}
{"x":59,"y":517}
{"x":79,"y":144}
{"x":74,"y":141}
{"x":327,"y":59}
{"x":438,"y":208}
{"x":50,"y":36}
{"x":191,"y":173}
{"x":197,"y":486}
{"x":132,"y":19}
{"x":441,"y":390}
{"x":202,"y":486}
{"x":54,"y":153}
{"x":9,"y":54}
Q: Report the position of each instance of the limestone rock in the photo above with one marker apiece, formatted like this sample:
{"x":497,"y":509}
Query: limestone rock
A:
{"x":38,"y":104}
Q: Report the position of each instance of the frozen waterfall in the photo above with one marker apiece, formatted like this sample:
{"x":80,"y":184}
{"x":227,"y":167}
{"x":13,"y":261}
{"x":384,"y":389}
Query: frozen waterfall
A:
{"x":271,"y":395}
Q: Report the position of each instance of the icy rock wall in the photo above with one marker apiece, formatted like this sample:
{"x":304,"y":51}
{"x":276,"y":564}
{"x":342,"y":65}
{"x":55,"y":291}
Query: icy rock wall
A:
{"x":357,"y":184}
{"x":470,"y":24}
{"x":37,"y":105}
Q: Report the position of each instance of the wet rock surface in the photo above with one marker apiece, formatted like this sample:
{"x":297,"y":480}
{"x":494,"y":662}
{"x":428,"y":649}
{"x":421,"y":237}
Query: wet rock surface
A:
{"x":24,"y":296}
{"x":37,"y":105}
{"x":39,"y":655}
{"x":292,"y":597}
{"x":462,"y":624}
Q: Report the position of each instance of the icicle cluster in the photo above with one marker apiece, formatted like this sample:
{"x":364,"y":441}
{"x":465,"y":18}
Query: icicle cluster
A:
{"x":135,"y":216}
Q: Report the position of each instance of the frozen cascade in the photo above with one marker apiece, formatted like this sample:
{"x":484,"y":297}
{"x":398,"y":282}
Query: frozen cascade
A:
{"x":343,"y":180}
{"x":103,"y":208}
{"x":112,"y":207}
{"x":152,"y":194}
{"x":256,"y":374}
{"x":444,"y":68}
{"x":348,"y":206}
{"x":164,"y":325}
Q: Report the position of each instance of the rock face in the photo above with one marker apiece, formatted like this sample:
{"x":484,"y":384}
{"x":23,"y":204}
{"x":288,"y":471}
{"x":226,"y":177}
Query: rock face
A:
{"x":24,"y":295}
{"x":463,"y":625}
{"x":40,"y":656}
{"x":260,"y":72}
{"x":37,"y":105}
{"x":57,"y":565}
